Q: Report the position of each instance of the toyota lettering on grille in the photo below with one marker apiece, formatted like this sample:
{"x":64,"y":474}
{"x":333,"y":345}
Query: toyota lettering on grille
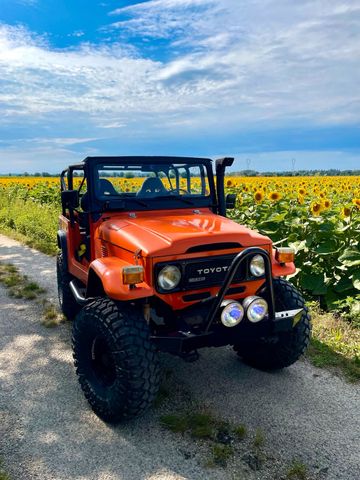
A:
{"x":206,"y":271}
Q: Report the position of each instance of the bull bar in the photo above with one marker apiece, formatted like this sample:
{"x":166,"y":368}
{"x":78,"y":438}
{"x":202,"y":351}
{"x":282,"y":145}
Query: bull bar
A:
{"x":186,"y":340}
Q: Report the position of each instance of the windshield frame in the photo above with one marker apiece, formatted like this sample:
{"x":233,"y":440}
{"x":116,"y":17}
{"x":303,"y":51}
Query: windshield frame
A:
{"x":127,"y":203}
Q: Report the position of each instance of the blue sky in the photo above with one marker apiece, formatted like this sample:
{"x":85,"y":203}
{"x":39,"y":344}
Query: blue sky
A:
{"x":266,"y":81}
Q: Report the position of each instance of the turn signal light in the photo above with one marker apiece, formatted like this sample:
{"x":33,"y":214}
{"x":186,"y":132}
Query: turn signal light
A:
{"x":285,"y":254}
{"x":133,"y":274}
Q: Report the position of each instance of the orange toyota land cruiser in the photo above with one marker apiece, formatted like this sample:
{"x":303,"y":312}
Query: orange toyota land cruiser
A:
{"x":149,"y":263}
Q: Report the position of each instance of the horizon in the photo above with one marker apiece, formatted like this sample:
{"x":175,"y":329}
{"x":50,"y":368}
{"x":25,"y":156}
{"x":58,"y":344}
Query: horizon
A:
{"x":278,"y":88}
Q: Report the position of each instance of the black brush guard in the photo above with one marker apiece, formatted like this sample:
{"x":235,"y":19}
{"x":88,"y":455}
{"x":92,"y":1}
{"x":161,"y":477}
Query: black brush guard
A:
{"x":211,"y":333}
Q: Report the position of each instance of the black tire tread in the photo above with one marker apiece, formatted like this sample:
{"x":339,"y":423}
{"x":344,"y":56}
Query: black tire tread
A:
{"x":135,"y":356}
{"x":268,"y":355}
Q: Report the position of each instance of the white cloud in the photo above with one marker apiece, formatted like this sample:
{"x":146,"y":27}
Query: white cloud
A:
{"x":228,"y":62}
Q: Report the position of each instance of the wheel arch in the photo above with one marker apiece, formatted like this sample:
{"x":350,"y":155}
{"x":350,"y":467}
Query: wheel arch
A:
{"x":94,"y":286}
{"x":105,"y":276}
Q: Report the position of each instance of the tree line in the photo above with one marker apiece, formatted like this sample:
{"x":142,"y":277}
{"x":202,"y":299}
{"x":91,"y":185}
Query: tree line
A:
{"x":241,"y":173}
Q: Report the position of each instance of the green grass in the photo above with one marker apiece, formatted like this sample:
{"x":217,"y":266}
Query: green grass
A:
{"x":161,"y":397}
{"x":335,"y":345}
{"x":221,"y":454}
{"x":51,"y":316}
{"x":259,"y":439}
{"x":240,"y":431}
{"x":30,"y":222}
{"x":175,"y":423}
{"x":221,"y":437}
{"x":3,"y":474}
{"x":18,"y":285}
{"x":297,"y":471}
{"x":198,"y":425}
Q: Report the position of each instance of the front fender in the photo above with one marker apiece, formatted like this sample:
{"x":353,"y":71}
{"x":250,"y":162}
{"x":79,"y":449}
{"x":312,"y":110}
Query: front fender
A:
{"x":109,"y":271}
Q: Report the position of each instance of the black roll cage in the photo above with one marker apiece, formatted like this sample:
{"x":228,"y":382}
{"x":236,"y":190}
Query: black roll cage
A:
{"x":89,"y":164}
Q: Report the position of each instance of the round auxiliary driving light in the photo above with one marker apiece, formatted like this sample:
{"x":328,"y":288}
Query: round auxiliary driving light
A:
{"x":232,"y":313}
{"x":257,"y":266}
{"x":256,"y":308}
{"x":169,"y":277}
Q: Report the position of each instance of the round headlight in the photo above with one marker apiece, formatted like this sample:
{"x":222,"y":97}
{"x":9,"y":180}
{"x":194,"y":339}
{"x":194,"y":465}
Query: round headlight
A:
{"x":169,"y":277}
{"x":256,"y":308}
{"x":232,"y":314}
{"x":257,"y":266}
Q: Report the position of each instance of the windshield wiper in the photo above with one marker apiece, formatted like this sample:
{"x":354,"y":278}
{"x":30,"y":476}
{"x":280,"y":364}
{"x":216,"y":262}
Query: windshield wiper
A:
{"x":139,"y":202}
{"x":134,"y":199}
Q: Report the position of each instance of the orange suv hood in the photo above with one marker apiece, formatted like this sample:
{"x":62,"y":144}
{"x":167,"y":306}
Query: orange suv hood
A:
{"x":172,"y":232}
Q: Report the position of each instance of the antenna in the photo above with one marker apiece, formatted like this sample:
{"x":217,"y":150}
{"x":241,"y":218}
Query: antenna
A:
{"x":293,"y":162}
{"x":248,"y":162}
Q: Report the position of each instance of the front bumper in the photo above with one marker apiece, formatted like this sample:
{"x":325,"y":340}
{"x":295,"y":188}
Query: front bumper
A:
{"x":186,"y":341}
{"x":210,"y":332}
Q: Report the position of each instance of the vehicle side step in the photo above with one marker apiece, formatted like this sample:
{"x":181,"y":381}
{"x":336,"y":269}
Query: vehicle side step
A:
{"x":78,"y":293}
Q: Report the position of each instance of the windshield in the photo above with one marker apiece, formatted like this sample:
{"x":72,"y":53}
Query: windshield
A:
{"x":184,"y":182}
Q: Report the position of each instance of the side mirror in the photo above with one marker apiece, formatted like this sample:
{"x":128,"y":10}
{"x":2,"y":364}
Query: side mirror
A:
{"x":70,"y":199}
{"x":230,"y":201}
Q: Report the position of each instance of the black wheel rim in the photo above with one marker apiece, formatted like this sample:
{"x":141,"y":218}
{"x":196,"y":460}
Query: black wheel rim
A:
{"x":103,"y":363}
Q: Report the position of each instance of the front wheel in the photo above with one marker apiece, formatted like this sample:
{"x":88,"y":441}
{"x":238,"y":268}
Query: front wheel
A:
{"x":116,"y":362}
{"x":287,"y":347}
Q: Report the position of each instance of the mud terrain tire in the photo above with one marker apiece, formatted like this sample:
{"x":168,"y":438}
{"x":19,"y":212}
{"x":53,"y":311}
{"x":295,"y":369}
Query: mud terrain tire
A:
{"x":273,"y":354}
{"x":68,"y":305}
{"x":116,"y":362}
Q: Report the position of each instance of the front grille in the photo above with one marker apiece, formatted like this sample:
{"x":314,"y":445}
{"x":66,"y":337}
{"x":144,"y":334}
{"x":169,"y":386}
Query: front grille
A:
{"x":204,"y":272}
{"x":210,"y":271}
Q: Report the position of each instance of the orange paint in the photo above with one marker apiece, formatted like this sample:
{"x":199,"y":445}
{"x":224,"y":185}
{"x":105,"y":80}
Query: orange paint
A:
{"x":164,"y":236}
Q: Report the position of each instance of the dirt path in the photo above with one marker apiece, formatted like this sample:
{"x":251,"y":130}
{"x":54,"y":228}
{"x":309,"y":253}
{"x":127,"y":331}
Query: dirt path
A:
{"x":47,"y":430}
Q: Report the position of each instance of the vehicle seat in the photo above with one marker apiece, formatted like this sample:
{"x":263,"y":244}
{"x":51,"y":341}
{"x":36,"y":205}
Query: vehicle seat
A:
{"x":105,"y":188}
{"x":151,"y":187}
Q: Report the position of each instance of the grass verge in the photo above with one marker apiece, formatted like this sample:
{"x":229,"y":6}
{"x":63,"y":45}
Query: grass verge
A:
{"x":29,"y":222}
{"x":335,"y":344}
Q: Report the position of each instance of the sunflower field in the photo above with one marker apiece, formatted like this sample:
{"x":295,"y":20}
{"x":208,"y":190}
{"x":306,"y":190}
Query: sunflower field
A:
{"x":318,"y":216}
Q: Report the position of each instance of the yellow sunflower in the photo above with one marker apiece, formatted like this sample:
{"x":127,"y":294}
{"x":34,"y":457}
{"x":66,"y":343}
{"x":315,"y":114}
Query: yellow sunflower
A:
{"x":346,"y":212}
{"x":259,"y":196}
{"x":274,"y":196}
{"x":326,"y":203}
{"x":356,"y":202}
{"x":316,"y":208}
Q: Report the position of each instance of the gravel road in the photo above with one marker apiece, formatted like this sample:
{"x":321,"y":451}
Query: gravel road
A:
{"x":47,"y":430}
